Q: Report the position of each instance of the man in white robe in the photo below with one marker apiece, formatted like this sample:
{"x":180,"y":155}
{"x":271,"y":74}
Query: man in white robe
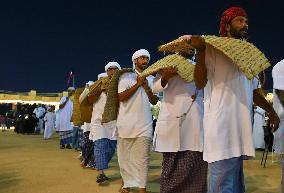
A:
{"x":134,"y":123}
{"x":278,"y":104}
{"x":104,"y":138}
{"x":39,"y":112}
{"x":64,"y":123}
{"x":228,"y":100}
{"x":179,"y":134}
{"x":49,"y":119}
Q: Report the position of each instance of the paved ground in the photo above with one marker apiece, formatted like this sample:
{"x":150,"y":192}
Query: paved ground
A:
{"x":29,"y":164}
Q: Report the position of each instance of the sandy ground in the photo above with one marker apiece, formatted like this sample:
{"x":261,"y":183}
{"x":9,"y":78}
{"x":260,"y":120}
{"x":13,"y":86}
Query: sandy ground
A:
{"x":29,"y":164}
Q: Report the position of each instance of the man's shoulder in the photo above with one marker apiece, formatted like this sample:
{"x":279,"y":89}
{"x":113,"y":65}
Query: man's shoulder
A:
{"x":128,"y":75}
{"x":278,"y":69}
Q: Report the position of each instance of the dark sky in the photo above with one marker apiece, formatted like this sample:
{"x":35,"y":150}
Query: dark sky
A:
{"x":41,"y":41}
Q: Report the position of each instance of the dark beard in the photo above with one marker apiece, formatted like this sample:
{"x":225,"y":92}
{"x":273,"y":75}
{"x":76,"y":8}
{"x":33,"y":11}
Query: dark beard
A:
{"x":241,"y":34}
{"x":144,"y":66}
{"x":140,"y":68}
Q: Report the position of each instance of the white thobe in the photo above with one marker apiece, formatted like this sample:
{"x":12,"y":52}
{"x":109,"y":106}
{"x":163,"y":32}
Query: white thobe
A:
{"x":98,"y":131}
{"x":65,"y":115}
{"x":39,"y":112}
{"x":174,"y":130}
{"x":49,"y":119}
{"x":228,"y":99}
{"x":86,"y":127}
{"x":258,"y":133}
{"x":134,"y":117}
{"x":278,"y":83}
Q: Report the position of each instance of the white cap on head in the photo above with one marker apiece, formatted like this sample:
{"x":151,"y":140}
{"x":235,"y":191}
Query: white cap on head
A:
{"x":278,"y":75}
{"x":71,"y":88}
{"x":138,"y":53}
{"x":112,"y":64}
{"x":90,"y":83}
{"x":102,"y":75}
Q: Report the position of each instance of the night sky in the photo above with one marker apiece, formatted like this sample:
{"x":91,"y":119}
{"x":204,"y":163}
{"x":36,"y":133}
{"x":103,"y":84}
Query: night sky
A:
{"x":41,"y":41}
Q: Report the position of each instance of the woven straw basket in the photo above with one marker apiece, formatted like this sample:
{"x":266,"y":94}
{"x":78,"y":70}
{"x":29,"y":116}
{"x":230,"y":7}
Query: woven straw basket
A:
{"x":184,"y":67}
{"x":245,"y":55}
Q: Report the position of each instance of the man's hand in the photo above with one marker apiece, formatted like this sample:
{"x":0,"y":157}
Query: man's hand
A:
{"x":63,"y":104}
{"x":260,"y":101}
{"x":140,"y":80}
{"x":195,"y":41}
{"x":274,"y":121}
{"x":168,"y":73}
{"x":185,"y":37}
{"x":125,"y":95}
{"x":198,"y":43}
{"x":145,"y":84}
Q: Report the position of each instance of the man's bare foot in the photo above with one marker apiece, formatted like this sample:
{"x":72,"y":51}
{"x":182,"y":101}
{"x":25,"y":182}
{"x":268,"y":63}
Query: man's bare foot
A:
{"x":142,"y":190}
{"x":124,"y":190}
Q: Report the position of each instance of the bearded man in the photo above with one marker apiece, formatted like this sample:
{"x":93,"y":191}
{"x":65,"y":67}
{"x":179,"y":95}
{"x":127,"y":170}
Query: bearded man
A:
{"x":134,"y":123}
{"x":228,"y":100}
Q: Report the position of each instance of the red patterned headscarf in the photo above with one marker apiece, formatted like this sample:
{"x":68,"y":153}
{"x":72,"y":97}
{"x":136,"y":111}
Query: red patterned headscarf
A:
{"x":228,"y":16}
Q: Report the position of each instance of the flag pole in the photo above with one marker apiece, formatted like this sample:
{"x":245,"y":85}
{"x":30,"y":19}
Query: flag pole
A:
{"x":74,"y":80}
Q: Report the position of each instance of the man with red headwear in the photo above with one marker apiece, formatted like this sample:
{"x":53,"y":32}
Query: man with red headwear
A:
{"x":228,"y":100}
{"x":240,"y":18}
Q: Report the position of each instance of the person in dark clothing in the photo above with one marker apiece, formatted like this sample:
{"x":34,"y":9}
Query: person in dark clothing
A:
{"x":30,"y":123}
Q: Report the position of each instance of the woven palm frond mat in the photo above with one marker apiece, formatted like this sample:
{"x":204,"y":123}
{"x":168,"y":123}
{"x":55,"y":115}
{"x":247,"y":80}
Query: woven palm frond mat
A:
{"x":92,"y":89}
{"x":86,"y":110}
{"x":105,"y":84}
{"x":86,"y":107}
{"x":112,"y":103}
{"x":245,"y":55}
{"x":184,"y":67}
{"x":76,"y":116}
{"x":95,"y":85}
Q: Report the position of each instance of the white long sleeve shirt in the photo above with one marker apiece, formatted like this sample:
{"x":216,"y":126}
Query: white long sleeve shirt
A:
{"x":134,"y":116}
{"x":278,"y":83}
{"x":175,"y":132}
{"x":228,"y":99}
{"x":97,"y":130}
{"x":64,"y":116}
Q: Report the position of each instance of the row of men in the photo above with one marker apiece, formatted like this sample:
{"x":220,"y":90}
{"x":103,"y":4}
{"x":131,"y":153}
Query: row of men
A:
{"x":201,"y":124}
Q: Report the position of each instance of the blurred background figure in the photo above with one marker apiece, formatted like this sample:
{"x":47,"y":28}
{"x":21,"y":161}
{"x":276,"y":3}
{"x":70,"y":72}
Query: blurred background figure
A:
{"x":3,"y":122}
{"x":39,"y":112}
{"x":49,"y":120}
{"x":258,"y":123}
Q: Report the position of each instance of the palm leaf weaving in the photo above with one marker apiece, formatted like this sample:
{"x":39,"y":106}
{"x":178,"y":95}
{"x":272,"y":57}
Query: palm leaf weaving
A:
{"x":184,"y":67}
{"x":76,"y":116}
{"x":245,"y":55}
{"x":112,"y":103}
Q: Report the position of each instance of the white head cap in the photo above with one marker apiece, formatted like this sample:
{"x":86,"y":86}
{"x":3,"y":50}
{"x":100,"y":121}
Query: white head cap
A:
{"x":112,"y":64}
{"x":138,"y":53}
{"x":90,"y":83}
{"x":71,"y":88}
{"x":102,"y":75}
{"x":278,"y":75}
